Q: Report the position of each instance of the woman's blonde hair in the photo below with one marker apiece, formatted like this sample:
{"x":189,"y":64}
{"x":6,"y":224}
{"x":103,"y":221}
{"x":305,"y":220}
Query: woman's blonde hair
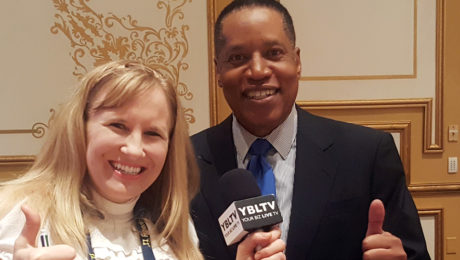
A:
{"x":57,"y":185}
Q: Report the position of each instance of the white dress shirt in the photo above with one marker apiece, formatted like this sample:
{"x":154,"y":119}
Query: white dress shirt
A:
{"x":281,"y":158}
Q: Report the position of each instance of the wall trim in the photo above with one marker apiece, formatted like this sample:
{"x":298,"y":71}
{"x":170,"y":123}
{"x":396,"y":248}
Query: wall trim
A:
{"x":430,"y":188}
{"x":424,"y":103}
{"x":17,"y":160}
{"x":439,"y":229}
{"x":373,"y":77}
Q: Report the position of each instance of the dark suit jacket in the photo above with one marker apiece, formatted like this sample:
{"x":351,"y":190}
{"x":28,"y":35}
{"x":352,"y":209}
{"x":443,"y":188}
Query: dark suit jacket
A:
{"x":340,"y":168}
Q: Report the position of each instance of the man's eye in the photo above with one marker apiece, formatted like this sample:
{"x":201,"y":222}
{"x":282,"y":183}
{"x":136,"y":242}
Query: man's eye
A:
{"x":236,"y":58}
{"x":275,"y":53}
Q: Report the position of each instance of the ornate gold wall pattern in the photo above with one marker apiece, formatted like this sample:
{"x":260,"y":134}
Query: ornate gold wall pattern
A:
{"x":96,"y":38}
{"x":38,"y":129}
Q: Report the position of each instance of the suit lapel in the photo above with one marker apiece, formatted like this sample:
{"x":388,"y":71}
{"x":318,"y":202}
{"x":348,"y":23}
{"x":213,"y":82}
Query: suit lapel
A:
{"x":221,"y":159}
{"x":222,"y":148}
{"x":313,"y":179}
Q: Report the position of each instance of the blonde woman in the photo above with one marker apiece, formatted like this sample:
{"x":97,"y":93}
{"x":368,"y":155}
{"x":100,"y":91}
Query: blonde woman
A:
{"x":114,"y":178}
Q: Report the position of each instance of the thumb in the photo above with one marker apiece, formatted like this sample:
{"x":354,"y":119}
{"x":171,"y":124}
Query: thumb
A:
{"x":29,"y":232}
{"x":376,"y":217}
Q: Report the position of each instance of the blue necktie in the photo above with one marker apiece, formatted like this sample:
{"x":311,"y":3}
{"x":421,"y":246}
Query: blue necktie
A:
{"x":260,"y":167}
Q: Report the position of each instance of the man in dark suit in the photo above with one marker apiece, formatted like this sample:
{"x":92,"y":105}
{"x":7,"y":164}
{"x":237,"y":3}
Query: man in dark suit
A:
{"x":340,"y":187}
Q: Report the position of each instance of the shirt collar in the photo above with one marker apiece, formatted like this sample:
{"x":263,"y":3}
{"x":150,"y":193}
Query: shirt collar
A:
{"x":281,"y":138}
{"x":112,"y":209}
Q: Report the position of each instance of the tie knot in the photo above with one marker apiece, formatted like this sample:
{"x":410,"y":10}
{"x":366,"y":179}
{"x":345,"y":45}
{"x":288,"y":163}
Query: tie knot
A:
{"x":260,"y":147}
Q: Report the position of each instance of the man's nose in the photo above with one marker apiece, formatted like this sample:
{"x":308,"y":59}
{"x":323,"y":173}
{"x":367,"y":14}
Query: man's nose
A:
{"x":133,"y":145}
{"x":258,"y":68}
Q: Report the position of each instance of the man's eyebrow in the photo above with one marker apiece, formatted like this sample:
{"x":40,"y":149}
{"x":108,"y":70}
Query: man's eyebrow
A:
{"x":229,"y":49}
{"x":239,"y":47}
{"x":236,"y":47}
{"x":270,"y":43}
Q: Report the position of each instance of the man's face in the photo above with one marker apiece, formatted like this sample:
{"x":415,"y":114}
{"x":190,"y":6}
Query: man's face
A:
{"x":258,"y":68}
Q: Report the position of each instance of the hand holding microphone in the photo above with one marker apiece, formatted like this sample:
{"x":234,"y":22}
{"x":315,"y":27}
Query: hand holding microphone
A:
{"x":262,"y":245}
{"x":250,"y":213}
{"x":26,"y":248}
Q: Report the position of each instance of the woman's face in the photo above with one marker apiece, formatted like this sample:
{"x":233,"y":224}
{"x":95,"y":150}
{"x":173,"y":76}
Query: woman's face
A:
{"x":127,"y":145}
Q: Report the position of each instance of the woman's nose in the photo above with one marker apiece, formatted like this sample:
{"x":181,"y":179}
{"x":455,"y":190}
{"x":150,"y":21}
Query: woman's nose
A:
{"x":133,"y":145}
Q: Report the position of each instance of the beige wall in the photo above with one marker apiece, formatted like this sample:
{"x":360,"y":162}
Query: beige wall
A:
{"x":47,"y":45}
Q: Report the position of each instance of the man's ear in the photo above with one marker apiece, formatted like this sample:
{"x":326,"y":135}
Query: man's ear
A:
{"x":299,"y":63}
{"x":216,"y":64}
{"x":219,"y":82}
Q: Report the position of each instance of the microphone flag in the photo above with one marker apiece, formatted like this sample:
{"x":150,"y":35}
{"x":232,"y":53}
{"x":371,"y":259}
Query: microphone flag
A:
{"x":247,"y":215}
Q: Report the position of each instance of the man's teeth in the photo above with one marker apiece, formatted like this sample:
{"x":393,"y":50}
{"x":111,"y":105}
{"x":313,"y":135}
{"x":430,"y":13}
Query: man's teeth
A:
{"x":127,"y":169}
{"x":260,"y":94}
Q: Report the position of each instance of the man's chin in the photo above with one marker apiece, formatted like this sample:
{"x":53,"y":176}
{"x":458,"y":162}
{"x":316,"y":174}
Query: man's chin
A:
{"x":260,"y":126}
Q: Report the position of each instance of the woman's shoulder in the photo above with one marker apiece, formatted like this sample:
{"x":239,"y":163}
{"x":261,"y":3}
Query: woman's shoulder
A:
{"x":10,"y":227}
{"x":160,"y":246}
{"x":13,"y":216}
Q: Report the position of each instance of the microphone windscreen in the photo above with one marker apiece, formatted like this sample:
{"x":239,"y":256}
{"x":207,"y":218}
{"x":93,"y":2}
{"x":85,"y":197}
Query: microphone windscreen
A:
{"x":238,"y":184}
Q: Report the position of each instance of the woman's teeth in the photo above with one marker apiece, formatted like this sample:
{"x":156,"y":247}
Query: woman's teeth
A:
{"x":127,"y":169}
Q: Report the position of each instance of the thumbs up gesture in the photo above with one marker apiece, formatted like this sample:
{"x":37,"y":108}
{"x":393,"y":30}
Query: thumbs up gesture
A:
{"x":379,"y":244}
{"x":26,"y":248}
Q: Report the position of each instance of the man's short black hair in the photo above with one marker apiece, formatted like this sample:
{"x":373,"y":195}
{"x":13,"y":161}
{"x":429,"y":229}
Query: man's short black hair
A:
{"x":236,"y":5}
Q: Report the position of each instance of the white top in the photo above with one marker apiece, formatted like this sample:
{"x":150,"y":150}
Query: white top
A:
{"x":281,"y":158}
{"x":114,"y":237}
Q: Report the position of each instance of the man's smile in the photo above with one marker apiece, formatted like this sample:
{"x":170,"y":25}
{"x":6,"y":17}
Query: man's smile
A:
{"x":260,"y":94}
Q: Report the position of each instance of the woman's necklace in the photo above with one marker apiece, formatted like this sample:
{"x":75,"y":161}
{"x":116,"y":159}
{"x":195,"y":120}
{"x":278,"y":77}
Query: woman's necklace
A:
{"x":143,"y":236}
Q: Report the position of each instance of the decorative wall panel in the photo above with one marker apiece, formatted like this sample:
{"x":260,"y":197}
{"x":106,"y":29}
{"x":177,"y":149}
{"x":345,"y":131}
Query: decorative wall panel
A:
{"x":432,"y":223}
{"x":352,"y":51}
{"x":49,"y":45}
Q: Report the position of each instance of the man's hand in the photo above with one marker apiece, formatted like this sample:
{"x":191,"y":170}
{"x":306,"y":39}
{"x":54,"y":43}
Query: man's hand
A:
{"x":262,"y":245}
{"x":379,"y":244}
{"x":26,"y":248}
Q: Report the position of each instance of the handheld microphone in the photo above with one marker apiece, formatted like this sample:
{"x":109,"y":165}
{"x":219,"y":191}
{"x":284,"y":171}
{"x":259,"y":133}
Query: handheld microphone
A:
{"x":247,"y":210}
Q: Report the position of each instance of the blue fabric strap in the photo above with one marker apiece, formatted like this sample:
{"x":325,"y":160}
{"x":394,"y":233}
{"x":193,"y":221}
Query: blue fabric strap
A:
{"x":144,"y":237}
{"x":259,"y":166}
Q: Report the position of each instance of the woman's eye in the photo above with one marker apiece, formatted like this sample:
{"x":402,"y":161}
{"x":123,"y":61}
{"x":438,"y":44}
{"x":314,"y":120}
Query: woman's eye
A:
{"x":152,"y":133}
{"x":118,"y":125}
{"x":156,"y":135}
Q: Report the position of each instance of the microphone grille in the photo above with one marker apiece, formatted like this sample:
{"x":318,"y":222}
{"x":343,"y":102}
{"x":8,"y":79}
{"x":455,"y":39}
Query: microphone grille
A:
{"x":238,"y":184}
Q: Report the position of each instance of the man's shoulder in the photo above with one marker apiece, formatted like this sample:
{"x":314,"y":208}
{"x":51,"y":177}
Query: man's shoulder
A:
{"x":222,"y":128}
{"x":333,"y":127}
{"x":203,"y":136}
{"x":200,"y":135}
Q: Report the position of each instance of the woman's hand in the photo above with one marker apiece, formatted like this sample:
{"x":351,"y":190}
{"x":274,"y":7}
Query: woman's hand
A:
{"x":262,"y":245}
{"x":25,"y":247}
